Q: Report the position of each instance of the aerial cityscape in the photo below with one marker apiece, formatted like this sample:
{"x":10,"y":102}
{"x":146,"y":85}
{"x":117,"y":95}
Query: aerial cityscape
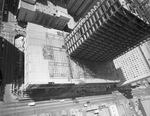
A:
{"x":74,"y":57}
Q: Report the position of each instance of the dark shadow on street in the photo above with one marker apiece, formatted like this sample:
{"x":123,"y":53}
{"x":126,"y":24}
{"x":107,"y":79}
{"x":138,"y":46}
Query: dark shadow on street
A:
{"x":67,"y":91}
{"x":73,"y":91}
{"x":126,"y":92}
{"x":11,"y":65}
{"x":62,"y":91}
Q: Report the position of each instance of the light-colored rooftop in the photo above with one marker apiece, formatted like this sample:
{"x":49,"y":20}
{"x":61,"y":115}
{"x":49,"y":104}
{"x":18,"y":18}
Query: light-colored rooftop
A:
{"x":46,"y":60}
{"x":146,"y":106}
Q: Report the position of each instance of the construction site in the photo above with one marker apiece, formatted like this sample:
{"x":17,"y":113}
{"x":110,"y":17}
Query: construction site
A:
{"x":54,"y":49}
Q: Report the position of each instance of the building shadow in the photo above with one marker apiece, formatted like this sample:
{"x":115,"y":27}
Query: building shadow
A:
{"x":126,"y":90}
{"x":11,"y":66}
{"x":43,"y":2}
{"x":99,"y":70}
{"x":10,"y":10}
{"x":60,"y":3}
{"x":63,"y":91}
{"x":90,"y":70}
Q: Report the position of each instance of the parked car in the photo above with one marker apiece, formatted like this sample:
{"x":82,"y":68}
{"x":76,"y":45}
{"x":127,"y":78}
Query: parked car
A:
{"x":75,"y":100}
{"x":31,"y":104}
{"x":88,"y":102}
{"x":62,"y":100}
{"x":85,"y":105}
{"x":130,"y":106}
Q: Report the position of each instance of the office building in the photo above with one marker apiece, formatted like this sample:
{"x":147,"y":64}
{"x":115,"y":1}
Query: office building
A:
{"x":132,"y":66}
{"x":44,"y":13}
{"x":107,"y":31}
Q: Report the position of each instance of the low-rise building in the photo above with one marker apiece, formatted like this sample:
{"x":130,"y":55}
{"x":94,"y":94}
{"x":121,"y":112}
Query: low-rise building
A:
{"x":113,"y":110}
{"x":45,"y":14}
{"x":46,"y":58}
{"x":144,"y":107}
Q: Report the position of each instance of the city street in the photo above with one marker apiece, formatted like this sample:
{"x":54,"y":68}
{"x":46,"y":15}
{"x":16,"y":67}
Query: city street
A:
{"x":22,"y":108}
{"x":74,"y":58}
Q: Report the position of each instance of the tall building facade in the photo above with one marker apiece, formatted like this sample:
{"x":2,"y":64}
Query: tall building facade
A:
{"x":1,"y":12}
{"x":78,"y":9}
{"x":133,"y":66}
{"x":146,"y":51}
{"x":108,"y":30}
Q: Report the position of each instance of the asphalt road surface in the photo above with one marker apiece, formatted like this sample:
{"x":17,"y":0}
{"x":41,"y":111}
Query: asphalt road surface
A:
{"x":22,"y":108}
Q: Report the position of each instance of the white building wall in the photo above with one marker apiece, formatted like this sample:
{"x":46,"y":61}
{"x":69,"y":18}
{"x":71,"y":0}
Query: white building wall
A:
{"x":146,"y":51}
{"x":132,"y":66}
